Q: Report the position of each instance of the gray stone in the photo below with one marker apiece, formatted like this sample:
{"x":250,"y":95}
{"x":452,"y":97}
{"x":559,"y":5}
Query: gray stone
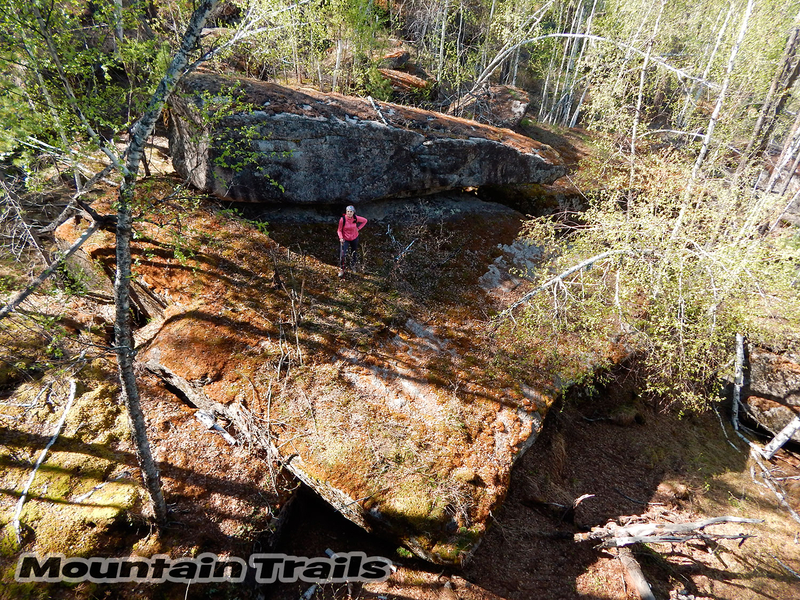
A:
{"x":304,"y":146}
{"x":774,"y":377}
{"x":772,"y":395}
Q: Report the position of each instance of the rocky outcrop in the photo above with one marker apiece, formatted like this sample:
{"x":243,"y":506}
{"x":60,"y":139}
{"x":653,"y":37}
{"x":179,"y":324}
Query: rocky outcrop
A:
{"x":772,"y":396}
{"x":280,"y":145}
{"x":400,"y":416}
{"x":498,"y":105}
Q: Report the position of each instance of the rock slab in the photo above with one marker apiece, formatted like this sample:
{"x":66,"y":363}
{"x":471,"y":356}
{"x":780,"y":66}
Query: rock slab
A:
{"x":253,"y":141}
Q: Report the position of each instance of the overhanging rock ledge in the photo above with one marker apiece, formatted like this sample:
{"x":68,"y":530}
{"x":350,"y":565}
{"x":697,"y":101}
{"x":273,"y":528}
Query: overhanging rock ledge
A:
{"x":284,"y":145}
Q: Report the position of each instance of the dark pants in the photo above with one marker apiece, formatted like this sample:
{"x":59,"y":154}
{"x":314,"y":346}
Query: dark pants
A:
{"x":348,"y":254}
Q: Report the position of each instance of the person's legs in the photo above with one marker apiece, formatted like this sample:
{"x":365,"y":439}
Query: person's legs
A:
{"x":354,"y":254}
{"x":342,"y":257}
{"x":347,"y":255}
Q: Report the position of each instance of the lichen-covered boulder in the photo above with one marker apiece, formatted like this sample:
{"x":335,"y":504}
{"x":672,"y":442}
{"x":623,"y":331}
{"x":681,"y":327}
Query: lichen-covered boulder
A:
{"x":254,"y":141}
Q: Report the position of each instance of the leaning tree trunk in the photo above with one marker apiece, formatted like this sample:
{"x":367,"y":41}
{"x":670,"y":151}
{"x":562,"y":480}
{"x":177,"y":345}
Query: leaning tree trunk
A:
{"x":782,"y":83}
{"x":122,"y":297}
{"x":712,"y":123}
{"x":126,"y":353}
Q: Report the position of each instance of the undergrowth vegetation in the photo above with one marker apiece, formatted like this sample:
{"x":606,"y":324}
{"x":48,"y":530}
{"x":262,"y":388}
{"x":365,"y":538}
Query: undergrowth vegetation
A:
{"x":675,"y":290}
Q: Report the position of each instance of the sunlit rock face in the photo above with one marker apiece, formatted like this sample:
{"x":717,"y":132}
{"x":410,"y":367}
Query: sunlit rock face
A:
{"x":280,"y":145}
{"x":386,"y":393}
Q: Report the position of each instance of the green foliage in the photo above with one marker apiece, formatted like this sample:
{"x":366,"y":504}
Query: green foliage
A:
{"x":47,"y":47}
{"x":224,"y":117}
{"x":376,"y":85}
{"x":235,"y":213}
{"x":678,"y":296}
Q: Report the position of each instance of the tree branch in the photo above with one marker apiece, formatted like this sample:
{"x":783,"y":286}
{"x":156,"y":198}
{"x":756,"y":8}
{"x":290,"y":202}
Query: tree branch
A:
{"x":589,"y":261}
{"x":613,"y":535}
{"x":20,"y":298}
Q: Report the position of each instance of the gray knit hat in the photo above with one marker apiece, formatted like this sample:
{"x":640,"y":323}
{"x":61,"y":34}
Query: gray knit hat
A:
{"x":351,"y":207}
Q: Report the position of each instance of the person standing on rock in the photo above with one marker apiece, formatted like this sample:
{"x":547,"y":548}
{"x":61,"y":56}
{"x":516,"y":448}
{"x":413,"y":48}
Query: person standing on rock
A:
{"x":349,"y":227}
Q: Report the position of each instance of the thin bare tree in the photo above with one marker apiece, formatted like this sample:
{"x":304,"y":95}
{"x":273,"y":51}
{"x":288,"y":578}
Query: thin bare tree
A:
{"x":124,"y":346}
{"x":712,"y":123}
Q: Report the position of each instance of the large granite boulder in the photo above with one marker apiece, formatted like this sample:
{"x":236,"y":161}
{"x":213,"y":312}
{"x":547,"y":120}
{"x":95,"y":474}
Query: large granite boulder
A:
{"x":254,"y":141}
{"x":400,"y":413}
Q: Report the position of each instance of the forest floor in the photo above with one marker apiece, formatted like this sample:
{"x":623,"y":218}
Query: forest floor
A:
{"x":640,"y":463}
{"x":657,"y":468}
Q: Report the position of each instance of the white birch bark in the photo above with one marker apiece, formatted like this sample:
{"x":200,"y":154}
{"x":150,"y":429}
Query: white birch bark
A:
{"x":783,"y":436}
{"x":642,"y":77}
{"x":442,"y":33}
{"x":571,"y":121}
{"x":701,"y":157}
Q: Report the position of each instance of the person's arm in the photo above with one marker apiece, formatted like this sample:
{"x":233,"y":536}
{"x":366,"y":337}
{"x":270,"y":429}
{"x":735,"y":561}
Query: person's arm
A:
{"x":360,"y":222}
{"x":340,"y":231}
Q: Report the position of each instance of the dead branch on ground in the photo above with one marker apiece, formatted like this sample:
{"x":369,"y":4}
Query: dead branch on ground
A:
{"x":635,"y":573}
{"x":613,"y":535}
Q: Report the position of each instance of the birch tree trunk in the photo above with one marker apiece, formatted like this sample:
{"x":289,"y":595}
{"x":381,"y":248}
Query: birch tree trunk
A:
{"x":643,"y":75}
{"x":122,"y":297}
{"x":713,"y":120}
{"x":784,"y":79}
{"x":721,"y":98}
{"x":487,"y":28}
{"x":338,"y":66}
{"x":440,"y":66}
{"x":783,"y":436}
{"x":559,"y":93}
{"x":571,"y":121}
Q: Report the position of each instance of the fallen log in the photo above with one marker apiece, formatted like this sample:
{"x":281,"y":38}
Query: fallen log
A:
{"x":635,"y":573}
{"x":783,"y":436}
{"x":404,"y":82}
{"x":613,"y":535}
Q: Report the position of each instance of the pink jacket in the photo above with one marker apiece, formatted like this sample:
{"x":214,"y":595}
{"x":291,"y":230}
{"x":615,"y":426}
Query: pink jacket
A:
{"x":348,"y":229}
